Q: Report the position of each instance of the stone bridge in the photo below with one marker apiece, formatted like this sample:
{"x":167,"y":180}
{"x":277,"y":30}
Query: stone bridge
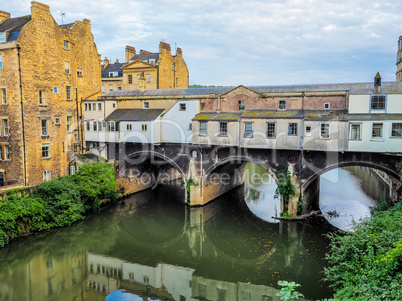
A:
{"x":210,"y":171}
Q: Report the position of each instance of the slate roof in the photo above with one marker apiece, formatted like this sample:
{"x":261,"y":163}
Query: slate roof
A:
{"x":12,"y":26}
{"x":135,"y":114}
{"x":67,"y":26}
{"x":353,"y":88}
{"x":113,"y":68}
{"x":374,"y":117}
{"x":145,"y":56}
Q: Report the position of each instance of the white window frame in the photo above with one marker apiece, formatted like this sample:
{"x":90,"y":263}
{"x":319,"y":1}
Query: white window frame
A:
{"x":382,"y":131}
{"x":248,"y":130}
{"x":95,"y":126}
{"x":270,"y":123}
{"x":148,"y":77}
{"x":146,"y":105}
{"x":378,"y":109}
{"x":203,"y":128}
{"x":67,"y":67}
{"x":308,"y":130}
{"x":66,"y":46}
{"x":223,"y":128}
{"x":327,"y":106}
{"x":295,"y":129}
{"x":242,"y":105}
{"x":390,"y":135}
{"x":3,"y":96}
{"x":110,"y":88}
{"x":68,"y":93}
{"x":6,"y":152}
{"x":144,"y":127}
{"x":46,"y":148}
{"x":5,"y":127}
{"x":329,"y":130}
{"x":129,"y":127}
{"x":359,"y":138}
{"x":69,"y":124}
{"x":44,"y":127}
{"x":283,"y":102}
{"x":99,"y":107}
{"x":182,"y":107}
{"x":103,"y":88}
{"x":42,"y":97}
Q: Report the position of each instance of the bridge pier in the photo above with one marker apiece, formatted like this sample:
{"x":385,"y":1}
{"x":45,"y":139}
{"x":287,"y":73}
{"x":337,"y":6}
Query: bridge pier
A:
{"x":395,"y":190}
{"x":311,"y":196}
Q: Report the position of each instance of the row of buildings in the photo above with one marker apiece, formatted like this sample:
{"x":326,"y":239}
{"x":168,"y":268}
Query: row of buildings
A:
{"x":60,"y":100}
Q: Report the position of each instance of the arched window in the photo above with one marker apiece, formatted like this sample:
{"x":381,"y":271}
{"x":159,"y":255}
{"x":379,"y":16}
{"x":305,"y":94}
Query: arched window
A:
{"x":47,"y":175}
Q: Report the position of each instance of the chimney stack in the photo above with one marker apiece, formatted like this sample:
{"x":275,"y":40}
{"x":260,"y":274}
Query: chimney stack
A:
{"x":377,"y":83}
{"x":105,"y":62}
{"x":4,"y":15}
{"x":130,"y":52}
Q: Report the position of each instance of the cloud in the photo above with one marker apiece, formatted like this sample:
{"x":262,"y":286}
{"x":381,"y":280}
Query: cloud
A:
{"x":249,"y":42}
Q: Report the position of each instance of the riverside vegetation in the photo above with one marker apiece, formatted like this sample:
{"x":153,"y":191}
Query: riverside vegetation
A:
{"x":57,"y":203}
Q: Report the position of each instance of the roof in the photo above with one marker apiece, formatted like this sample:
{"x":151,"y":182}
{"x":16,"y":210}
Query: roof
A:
{"x":353,"y":88}
{"x":67,"y":26}
{"x":145,"y":57}
{"x":135,"y":114}
{"x":13,"y":25}
{"x":113,"y":67}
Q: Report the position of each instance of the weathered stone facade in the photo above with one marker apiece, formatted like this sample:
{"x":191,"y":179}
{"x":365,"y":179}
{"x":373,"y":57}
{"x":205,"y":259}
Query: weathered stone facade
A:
{"x":60,"y":66}
{"x":399,"y":61}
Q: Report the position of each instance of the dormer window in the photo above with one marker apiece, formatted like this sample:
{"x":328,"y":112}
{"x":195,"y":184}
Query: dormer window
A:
{"x":378,"y":102}
{"x":282,"y":104}
{"x":242,"y":105}
{"x":152,"y":61}
{"x":114,"y":74}
{"x":2,"y":37}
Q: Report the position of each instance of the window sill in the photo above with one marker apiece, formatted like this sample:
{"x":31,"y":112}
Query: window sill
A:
{"x":392,"y":137}
{"x":248,"y":136}
{"x":377,"y":139}
{"x":202,"y":135}
{"x":46,"y":158}
{"x":45,"y":136}
{"x":355,"y":139}
{"x":42,"y":105}
{"x":69,"y":100}
{"x":223,"y":135}
{"x":271,"y":137}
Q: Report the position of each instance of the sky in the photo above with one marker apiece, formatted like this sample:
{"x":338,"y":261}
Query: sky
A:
{"x":230,"y":43}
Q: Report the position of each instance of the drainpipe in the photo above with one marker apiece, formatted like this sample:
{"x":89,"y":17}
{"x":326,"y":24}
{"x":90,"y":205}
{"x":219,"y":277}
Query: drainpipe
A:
{"x":22,"y":116}
{"x":81,"y":131}
{"x":78,"y":112}
{"x":302,"y":144}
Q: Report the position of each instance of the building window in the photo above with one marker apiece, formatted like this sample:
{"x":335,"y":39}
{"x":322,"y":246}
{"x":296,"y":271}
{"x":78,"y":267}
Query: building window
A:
{"x":292,"y":130}
{"x":1,"y":61}
{"x":355,"y":131}
{"x":2,"y":37}
{"x":202,"y":106}
{"x":378,"y":102}
{"x":103,"y":88}
{"x":246,"y":296}
{"x":99,"y":107}
{"x":223,"y":128}
{"x":202,"y":290}
{"x":69,"y":123}
{"x":308,"y":131}
{"x":325,"y":131}
{"x":47,"y":175}
{"x":87,"y":126}
{"x":110,"y":88}
{"x":79,"y":72}
{"x":138,"y":78}
{"x":148,"y":78}
{"x":55,"y":90}
{"x":111,"y":126}
{"x":221,"y":294}
{"x":182,"y":107}
{"x":146,"y":105}
{"x":44,"y":127}
{"x":282,"y":104}
{"x":3,"y":96}
{"x":65,"y":45}
{"x":5,"y":127}
{"x":377,"y":131}
{"x":242,"y":105}
{"x":95,"y":126}
{"x":42,"y":98}
{"x":396,"y":130}
{"x":326,"y":106}
{"x":203,"y":128}
{"x":248,"y":130}
{"x":118,"y":87}
{"x":68,"y":92}
{"x":131,"y":276}
{"x":129,"y":127}
{"x":100,"y":124}
{"x":114,"y":106}
{"x":57,"y":121}
{"x":144,"y":127}
{"x":6,"y":152}
{"x":45,"y":150}
{"x":271,"y":130}
{"x":67,"y":67}
{"x":130,"y":79}
{"x":114,"y":74}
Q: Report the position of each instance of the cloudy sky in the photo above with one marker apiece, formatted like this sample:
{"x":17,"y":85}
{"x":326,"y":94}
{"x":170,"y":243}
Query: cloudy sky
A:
{"x":271,"y":42}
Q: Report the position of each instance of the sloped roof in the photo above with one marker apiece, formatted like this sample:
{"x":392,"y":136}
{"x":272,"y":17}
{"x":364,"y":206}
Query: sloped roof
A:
{"x":145,"y":56}
{"x":13,"y":25}
{"x":135,"y":114}
{"x":113,"y":67}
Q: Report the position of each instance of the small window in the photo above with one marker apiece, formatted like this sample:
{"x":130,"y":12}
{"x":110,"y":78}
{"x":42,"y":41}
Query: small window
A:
{"x":44,"y":127}
{"x":152,"y":61}
{"x":242,"y":105}
{"x":118,"y":87}
{"x":138,"y":78}
{"x":65,"y":45}
{"x":203,"y":128}
{"x":182,"y":107}
{"x":396,"y":130}
{"x":292,"y":130}
{"x":326,"y":106}
{"x":6,"y":152}
{"x":148,"y":78}
{"x":271,"y":130}
{"x":377,"y":131}
{"x":144,"y":127}
{"x":67,"y":67}
{"x":42,"y":98}
{"x":103,"y":88}
{"x":45,"y":150}
{"x":146,"y":105}
{"x":57,"y":121}
{"x":68,"y":92}
{"x":95,"y":126}
{"x":378,"y":102}
{"x":79,"y":72}
{"x":55,"y":90}
{"x":282,"y":104}
{"x":202,"y":106}
{"x":3,"y":96}
{"x":114,"y":106}
{"x":202,"y":291}
{"x":248,"y":129}
{"x":110,"y":88}
{"x":100,"y":125}
{"x":325,"y":131}
{"x":1,"y":61}
{"x":131,"y":276}
{"x":129,"y":127}
{"x":355,"y":131}
{"x":308,"y":131}
{"x":69,"y":123}
{"x":223,"y":128}
{"x":99,"y":107}
{"x":87,"y":126}
{"x":5,"y":127}
{"x":130,"y":79}
{"x":47,"y":175}
{"x":190,"y":126}
{"x":114,"y":74}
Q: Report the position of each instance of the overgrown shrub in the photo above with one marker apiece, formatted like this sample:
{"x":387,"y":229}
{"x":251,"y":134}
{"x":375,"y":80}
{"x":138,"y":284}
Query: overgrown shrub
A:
{"x":367,"y":263}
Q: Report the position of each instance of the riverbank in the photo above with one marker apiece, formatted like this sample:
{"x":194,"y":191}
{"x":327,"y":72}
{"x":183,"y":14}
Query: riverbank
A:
{"x":56,"y":203}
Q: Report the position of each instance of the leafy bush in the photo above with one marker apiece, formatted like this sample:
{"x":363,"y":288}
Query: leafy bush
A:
{"x":367,"y":263}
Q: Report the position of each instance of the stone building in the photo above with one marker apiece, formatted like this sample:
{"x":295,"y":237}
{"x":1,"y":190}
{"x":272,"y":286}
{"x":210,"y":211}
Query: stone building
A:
{"x":146,"y":70}
{"x":399,"y":61}
{"x":59,"y":67}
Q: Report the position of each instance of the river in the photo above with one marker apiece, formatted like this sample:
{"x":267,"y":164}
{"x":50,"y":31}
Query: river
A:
{"x":152,"y":247}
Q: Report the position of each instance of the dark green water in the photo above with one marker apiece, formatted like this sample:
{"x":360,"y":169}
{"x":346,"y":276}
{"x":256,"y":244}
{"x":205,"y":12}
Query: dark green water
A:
{"x":152,"y":247}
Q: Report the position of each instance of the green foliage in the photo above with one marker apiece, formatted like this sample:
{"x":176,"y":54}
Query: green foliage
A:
{"x":288,"y":291}
{"x":367,"y":263}
{"x":285,"y":187}
{"x":190,"y":182}
{"x":57,"y":203}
